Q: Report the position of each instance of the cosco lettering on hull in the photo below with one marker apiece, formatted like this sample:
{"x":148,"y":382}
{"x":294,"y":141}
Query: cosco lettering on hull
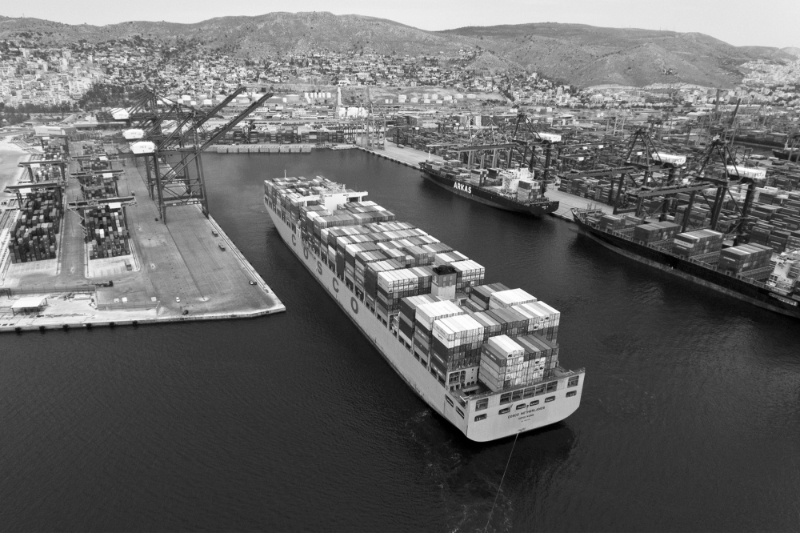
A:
{"x":461,"y":187}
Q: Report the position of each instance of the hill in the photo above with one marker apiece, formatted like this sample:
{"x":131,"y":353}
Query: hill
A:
{"x":273,"y":33}
{"x":589,"y":55}
{"x":578,"y":54}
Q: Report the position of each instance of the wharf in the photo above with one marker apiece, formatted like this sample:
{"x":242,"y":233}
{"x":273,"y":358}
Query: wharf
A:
{"x":407,"y":156}
{"x":262,"y":148}
{"x":176,"y":272}
{"x":567,"y":202}
{"x":412,"y":157}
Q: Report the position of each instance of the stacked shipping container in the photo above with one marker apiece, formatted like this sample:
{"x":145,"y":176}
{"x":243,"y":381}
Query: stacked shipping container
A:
{"x":694,"y":243}
{"x":106,"y":235}
{"x":509,"y":363}
{"x":395,"y":268}
{"x":748,"y":260}
{"x":33,"y":236}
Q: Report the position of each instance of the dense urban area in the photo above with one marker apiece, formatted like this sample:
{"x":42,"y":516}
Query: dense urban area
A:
{"x":85,"y":75}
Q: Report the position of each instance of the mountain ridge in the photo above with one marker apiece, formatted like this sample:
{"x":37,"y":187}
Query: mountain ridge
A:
{"x":579,"y":54}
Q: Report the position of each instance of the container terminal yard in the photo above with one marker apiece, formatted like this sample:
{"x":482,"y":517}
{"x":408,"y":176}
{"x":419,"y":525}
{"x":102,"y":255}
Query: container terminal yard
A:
{"x":87,"y":241}
{"x":637,"y":170}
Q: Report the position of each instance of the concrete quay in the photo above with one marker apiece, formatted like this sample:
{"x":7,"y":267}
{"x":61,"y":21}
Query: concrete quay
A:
{"x":567,"y":202}
{"x":412,"y":157}
{"x":176,"y":273}
{"x":407,"y":156}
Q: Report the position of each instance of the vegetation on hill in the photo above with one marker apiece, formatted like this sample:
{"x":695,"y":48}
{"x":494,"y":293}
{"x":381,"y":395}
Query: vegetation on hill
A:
{"x":580,"y":54}
{"x":102,"y":94}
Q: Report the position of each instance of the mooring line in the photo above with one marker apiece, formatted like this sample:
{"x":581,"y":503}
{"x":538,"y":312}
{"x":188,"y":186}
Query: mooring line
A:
{"x":501,"y":484}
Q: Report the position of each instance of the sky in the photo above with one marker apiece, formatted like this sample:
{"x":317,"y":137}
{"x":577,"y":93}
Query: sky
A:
{"x":738,"y":22}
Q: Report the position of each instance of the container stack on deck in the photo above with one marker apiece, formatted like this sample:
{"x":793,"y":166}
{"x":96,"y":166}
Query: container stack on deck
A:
{"x":457,"y":342}
{"x":655,"y":232}
{"x":433,"y":296}
{"x":747,"y":261}
{"x":697,"y":243}
{"x":34,"y":234}
{"x":508,"y":363}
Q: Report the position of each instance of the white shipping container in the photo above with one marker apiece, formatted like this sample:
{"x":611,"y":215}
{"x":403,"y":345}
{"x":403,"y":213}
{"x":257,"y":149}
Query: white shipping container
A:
{"x":505,"y":345}
{"x":428,"y":313}
{"x":457,"y":330}
{"x":510,"y":297}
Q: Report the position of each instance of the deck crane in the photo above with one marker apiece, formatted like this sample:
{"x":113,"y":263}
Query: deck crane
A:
{"x":176,"y":186}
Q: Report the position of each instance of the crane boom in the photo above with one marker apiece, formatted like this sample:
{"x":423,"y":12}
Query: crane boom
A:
{"x":219,"y":134}
{"x":198,"y":124}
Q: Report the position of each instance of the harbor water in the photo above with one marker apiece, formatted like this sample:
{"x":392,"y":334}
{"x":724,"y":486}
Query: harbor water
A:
{"x":690,"y":418}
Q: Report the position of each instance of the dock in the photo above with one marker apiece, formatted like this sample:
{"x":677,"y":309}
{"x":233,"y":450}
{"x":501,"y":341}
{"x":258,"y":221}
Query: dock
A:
{"x":412,"y":157}
{"x":567,"y":202}
{"x":407,"y":156}
{"x":186,"y":270}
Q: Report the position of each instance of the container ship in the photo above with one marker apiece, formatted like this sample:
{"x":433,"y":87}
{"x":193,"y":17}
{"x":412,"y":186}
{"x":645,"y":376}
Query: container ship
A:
{"x":790,"y":154}
{"x":749,"y":272}
{"x":483,"y":356}
{"x":509,"y":189}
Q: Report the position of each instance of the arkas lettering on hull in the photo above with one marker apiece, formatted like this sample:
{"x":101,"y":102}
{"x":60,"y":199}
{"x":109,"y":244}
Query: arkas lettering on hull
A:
{"x":461,"y":187}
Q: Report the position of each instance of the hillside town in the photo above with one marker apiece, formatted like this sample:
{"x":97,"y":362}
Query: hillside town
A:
{"x":38,"y":78}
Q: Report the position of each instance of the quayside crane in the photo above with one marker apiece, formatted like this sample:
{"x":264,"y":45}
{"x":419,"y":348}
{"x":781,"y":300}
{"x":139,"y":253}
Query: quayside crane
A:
{"x":643,"y":156}
{"x":176,"y":184}
{"x":715,"y":168}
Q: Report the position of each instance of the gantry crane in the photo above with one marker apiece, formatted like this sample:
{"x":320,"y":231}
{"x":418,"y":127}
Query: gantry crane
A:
{"x":176,"y":185}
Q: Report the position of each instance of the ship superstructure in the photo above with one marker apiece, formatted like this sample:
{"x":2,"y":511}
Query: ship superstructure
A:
{"x":483,"y":356}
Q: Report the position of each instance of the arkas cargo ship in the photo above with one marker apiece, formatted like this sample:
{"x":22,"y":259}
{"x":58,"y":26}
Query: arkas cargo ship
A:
{"x":485,"y":357}
{"x":512,"y":190}
{"x":749,"y":272}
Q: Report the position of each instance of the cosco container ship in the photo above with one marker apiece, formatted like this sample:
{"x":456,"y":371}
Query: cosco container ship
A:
{"x":485,"y":357}
{"x":512,"y":190}
{"x":749,"y":272}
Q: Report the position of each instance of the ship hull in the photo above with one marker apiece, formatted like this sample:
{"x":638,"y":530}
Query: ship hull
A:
{"x":480,"y":195}
{"x":696,"y":273}
{"x":792,"y":156}
{"x":496,"y":424}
